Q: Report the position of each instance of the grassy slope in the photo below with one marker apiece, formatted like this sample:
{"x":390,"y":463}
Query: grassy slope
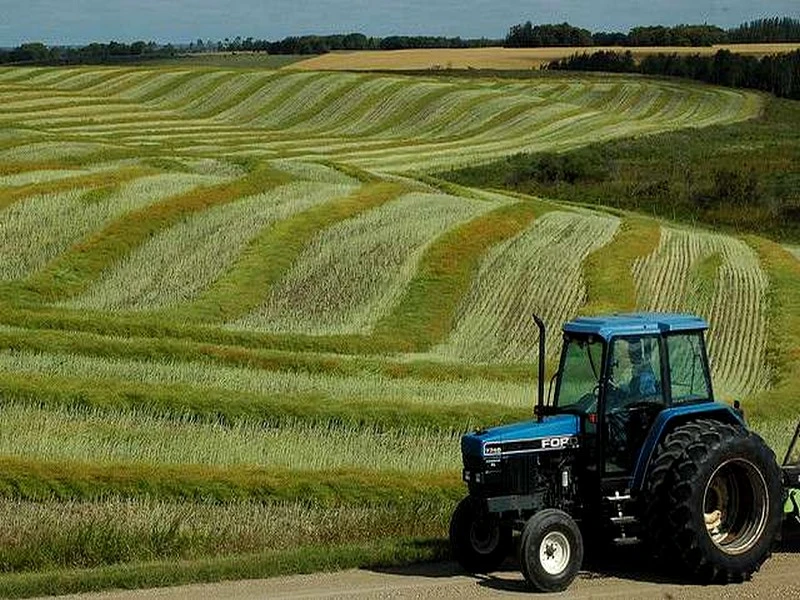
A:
{"x":742,"y":177}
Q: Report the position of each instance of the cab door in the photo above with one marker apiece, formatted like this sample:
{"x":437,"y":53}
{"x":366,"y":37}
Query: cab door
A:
{"x":634,"y":395}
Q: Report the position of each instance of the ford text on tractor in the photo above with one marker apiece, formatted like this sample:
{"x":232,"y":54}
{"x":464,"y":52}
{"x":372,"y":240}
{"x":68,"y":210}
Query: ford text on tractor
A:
{"x":631,"y":449}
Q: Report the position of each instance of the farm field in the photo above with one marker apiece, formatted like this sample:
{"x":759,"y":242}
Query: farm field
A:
{"x":237,"y":302}
{"x":502,"y":58}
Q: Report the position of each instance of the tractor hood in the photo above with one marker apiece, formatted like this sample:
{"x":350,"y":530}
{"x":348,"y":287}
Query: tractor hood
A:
{"x":555,"y":432}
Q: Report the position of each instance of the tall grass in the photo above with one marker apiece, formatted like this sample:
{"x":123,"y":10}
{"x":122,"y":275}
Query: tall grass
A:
{"x":55,"y":535}
{"x":117,"y":437}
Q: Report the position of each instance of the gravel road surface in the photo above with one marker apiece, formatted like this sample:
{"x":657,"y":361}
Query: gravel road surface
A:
{"x":778,"y":578}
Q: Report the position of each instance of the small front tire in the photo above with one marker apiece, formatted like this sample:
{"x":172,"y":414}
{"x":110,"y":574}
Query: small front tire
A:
{"x":550,"y":550}
{"x":478,"y":540}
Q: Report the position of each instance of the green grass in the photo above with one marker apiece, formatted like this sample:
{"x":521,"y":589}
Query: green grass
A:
{"x":351,"y":274}
{"x":371,"y":554}
{"x":71,"y":273}
{"x":783,"y":342}
{"x":229,"y":406}
{"x":740,"y":177}
{"x":608,"y":271}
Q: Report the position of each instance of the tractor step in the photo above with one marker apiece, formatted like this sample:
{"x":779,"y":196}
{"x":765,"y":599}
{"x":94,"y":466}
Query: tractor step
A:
{"x":624,"y":520}
{"x":626,"y":541}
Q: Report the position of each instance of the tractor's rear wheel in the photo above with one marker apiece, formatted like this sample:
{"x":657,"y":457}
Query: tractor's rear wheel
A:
{"x":713,"y":501}
{"x":478,"y":540}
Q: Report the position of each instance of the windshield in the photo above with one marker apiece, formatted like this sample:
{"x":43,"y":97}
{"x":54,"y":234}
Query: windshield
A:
{"x":580,"y":374}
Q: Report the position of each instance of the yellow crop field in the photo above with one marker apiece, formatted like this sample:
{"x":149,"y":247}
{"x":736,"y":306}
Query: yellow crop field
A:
{"x":500,"y":58}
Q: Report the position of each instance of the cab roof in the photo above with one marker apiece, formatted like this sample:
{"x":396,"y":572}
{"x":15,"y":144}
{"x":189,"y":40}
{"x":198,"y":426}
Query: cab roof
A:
{"x":608,"y":326}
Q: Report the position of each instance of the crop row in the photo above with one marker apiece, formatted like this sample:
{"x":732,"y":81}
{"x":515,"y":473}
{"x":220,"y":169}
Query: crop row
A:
{"x":325,"y":388}
{"x":733,"y":298}
{"x":536,"y":272}
{"x":177,"y":264}
{"x":51,"y":223}
{"x":352,"y":274}
{"x":116,"y":437}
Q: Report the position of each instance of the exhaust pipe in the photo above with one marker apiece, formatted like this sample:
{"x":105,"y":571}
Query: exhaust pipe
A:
{"x":540,"y":404}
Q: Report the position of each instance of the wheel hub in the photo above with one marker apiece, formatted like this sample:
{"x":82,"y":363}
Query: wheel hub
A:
{"x":554,"y":553}
{"x":736,"y":506}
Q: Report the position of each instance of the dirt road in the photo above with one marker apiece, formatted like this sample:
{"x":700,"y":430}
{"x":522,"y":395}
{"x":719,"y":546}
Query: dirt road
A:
{"x":779,"y":578}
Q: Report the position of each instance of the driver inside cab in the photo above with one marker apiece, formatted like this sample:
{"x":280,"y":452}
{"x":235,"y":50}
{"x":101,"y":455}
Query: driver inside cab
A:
{"x":643,"y":380}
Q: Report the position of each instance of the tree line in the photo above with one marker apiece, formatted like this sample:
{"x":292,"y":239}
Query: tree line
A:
{"x":321,"y":44}
{"x":94,"y":53}
{"x":778,"y":29}
{"x":778,"y":74}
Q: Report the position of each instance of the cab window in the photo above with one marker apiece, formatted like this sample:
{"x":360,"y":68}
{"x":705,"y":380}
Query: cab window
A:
{"x":688,"y":372}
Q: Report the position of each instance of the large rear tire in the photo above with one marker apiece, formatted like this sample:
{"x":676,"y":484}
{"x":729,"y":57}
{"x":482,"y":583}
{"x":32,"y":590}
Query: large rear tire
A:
{"x":478,"y":540}
{"x":713,"y":501}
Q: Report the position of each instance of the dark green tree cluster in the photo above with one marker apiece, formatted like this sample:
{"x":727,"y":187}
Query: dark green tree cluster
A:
{"x":95,"y":53}
{"x":777,"y":29}
{"x":528,"y":35}
{"x":778,"y":73}
{"x":321,"y":44}
{"x":680,"y":35}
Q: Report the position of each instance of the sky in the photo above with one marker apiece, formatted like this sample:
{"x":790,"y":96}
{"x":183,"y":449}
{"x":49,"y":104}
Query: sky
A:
{"x":83,"y":21}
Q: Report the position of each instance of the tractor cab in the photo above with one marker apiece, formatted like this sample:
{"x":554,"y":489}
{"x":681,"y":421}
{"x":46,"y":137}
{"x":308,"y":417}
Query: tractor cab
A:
{"x":617,"y":374}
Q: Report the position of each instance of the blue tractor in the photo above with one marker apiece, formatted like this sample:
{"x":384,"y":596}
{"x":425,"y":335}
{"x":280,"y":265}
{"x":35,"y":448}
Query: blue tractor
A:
{"x":632,"y":448}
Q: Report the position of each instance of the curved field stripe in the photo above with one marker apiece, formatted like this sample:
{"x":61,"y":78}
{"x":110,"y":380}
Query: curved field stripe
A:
{"x":166,"y":349}
{"x":70,"y":274}
{"x":351,"y":274}
{"x":178,"y":96}
{"x":39,"y":228}
{"x":9,"y":195}
{"x":230,"y":94}
{"x":608,"y":271}
{"x":270,"y":256}
{"x":445,"y":273}
{"x":175,"y":265}
{"x":306,"y":101}
{"x":536,"y":272}
{"x":272,"y":94}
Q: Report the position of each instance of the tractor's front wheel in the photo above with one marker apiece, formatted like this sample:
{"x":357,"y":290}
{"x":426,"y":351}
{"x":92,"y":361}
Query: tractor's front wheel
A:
{"x":478,"y":540}
{"x":550,"y":550}
{"x":715,"y":500}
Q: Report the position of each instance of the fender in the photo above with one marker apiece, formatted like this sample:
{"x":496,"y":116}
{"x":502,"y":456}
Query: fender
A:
{"x":667,"y":420}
